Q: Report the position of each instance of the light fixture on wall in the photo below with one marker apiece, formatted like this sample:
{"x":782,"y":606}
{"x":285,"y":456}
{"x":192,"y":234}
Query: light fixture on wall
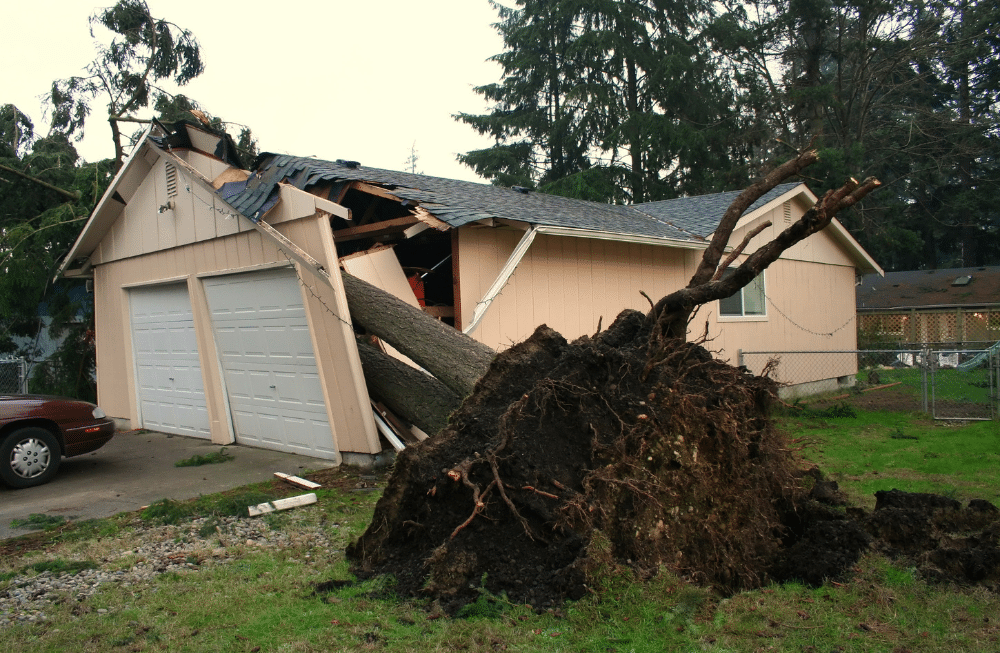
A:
{"x":166,"y":207}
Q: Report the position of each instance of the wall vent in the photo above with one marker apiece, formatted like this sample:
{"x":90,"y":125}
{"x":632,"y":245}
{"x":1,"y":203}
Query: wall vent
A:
{"x":171,"y":180}
{"x":787,"y":208}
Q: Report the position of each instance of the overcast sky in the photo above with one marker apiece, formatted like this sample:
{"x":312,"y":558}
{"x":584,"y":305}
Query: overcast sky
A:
{"x":334,"y":79}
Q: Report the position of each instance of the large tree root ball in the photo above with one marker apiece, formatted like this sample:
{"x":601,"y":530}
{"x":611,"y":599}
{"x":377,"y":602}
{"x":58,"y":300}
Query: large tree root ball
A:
{"x":570,"y":456}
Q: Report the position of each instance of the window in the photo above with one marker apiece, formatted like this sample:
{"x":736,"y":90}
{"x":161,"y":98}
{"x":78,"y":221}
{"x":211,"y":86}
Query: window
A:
{"x":746,"y":302}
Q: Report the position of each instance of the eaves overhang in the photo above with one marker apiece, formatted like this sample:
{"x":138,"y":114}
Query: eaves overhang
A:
{"x":76,"y":263}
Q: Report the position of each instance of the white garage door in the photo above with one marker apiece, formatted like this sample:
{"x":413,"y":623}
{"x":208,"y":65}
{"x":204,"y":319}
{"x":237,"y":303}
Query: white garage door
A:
{"x":262,"y":335}
{"x":168,"y":373}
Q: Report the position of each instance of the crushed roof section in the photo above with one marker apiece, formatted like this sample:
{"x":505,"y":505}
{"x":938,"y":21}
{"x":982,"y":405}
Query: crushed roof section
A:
{"x":460,"y":202}
{"x":929,"y":288}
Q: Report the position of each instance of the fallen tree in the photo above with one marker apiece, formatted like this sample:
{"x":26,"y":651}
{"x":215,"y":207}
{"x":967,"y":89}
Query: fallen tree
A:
{"x":633,"y":447}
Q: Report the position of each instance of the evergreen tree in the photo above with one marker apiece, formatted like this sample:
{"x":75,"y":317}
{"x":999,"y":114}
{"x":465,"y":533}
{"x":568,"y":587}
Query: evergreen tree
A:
{"x":605,"y":100}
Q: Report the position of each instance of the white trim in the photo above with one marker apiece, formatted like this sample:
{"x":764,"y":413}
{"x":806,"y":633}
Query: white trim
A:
{"x":155,"y":282}
{"x":621,"y":238}
{"x":257,"y":267}
{"x":755,"y":317}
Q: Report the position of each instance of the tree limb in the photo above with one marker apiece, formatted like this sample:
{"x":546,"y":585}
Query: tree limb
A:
{"x":75,"y":196}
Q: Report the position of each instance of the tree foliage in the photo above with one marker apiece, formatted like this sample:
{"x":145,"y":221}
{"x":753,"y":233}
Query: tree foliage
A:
{"x":649,"y":99}
{"x":595,"y":102}
{"x":143,"y":52}
{"x":38,"y":224}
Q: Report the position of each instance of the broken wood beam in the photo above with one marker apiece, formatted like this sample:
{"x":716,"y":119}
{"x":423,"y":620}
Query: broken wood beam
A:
{"x":375,"y":229}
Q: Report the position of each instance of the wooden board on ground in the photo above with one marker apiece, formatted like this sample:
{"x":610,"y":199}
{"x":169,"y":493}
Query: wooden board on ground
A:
{"x":295,"y":480}
{"x":281,"y":504}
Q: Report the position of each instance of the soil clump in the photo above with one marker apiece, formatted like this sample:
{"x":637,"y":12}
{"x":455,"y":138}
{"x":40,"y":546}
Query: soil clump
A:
{"x":570,"y":459}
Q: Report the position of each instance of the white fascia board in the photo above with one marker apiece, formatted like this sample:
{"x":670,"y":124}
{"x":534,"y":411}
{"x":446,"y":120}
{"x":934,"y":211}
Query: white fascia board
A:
{"x":791,"y":194}
{"x":864,"y":260}
{"x":92,"y":223}
{"x":622,"y":238}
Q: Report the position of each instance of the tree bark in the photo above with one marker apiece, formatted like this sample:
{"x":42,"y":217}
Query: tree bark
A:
{"x":452,"y":357}
{"x":411,"y":394}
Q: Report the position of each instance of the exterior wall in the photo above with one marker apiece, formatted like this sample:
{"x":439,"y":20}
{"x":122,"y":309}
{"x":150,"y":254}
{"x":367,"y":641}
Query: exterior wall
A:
{"x":569,"y":283}
{"x":805,"y":303}
{"x":241,"y":251}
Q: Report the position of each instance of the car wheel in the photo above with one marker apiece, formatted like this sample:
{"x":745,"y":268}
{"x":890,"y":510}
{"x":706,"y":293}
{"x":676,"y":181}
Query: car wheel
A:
{"x":28,"y":457}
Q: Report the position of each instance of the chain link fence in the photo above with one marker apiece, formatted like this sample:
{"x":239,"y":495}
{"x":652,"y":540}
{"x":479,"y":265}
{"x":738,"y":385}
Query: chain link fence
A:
{"x":13,"y":376}
{"x":957,"y":384}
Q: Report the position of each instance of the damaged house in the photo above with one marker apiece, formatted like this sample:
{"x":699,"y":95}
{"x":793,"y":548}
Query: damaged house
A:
{"x":219,"y":303}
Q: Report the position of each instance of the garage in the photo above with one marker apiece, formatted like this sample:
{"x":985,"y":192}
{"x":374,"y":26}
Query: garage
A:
{"x":272,"y":381}
{"x":168,"y":370}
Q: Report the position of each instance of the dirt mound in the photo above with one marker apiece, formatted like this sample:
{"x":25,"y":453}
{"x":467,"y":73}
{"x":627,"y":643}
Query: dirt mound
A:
{"x":936,"y":535}
{"x":570,"y":456}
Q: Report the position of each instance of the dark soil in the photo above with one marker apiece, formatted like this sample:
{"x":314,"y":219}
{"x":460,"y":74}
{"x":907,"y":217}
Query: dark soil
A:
{"x":572,"y":459}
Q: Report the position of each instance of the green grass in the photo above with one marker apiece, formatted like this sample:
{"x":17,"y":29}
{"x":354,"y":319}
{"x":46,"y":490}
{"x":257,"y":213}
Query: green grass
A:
{"x":36,"y":521}
{"x":198,"y":460}
{"x":882,"y":450}
{"x":269,"y":600}
{"x":972,"y":386}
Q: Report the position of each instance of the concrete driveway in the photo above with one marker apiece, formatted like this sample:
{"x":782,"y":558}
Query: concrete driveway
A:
{"x":135,"y":469}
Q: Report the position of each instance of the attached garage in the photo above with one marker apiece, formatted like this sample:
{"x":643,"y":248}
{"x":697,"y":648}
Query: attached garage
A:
{"x":269,"y":365}
{"x":167,"y":366}
{"x":218,"y":326}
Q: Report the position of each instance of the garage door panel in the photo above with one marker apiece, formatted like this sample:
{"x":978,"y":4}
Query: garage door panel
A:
{"x":171,"y":394}
{"x":267,"y":357}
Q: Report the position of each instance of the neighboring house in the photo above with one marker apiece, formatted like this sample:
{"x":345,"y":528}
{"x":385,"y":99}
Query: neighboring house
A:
{"x":220,"y":309}
{"x":959,"y":307}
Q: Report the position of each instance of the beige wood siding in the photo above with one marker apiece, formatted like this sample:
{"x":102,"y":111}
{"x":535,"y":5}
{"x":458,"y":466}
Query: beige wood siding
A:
{"x":345,"y":394}
{"x":818,"y":248}
{"x":569,"y":283}
{"x":806,"y":302}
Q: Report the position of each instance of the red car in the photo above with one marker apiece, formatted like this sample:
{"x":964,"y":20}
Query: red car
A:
{"x":36,"y":431}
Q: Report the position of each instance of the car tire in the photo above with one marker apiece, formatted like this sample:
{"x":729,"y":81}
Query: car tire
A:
{"x":29,"y":456}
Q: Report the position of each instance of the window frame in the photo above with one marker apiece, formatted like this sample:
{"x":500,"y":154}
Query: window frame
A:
{"x":743,"y":316}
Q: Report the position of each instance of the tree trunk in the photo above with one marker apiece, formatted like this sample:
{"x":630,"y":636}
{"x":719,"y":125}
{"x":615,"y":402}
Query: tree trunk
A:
{"x":413,"y":395}
{"x":452,"y":357}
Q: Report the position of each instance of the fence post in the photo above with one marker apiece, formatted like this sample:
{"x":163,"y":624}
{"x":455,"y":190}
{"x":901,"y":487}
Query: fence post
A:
{"x":926,"y":355}
{"x":739,"y":358}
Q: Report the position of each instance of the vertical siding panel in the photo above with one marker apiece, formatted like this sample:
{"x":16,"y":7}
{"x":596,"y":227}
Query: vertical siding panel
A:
{"x":143,"y":209}
{"x":256,"y":247}
{"x":541,"y":296}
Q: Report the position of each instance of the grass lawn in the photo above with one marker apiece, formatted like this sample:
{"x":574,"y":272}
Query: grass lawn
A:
{"x":883,"y":450}
{"x":273,"y":601}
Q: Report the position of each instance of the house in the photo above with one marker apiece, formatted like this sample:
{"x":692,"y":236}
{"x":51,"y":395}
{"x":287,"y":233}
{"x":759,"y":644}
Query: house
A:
{"x":219,"y":303}
{"x":958,"y":307}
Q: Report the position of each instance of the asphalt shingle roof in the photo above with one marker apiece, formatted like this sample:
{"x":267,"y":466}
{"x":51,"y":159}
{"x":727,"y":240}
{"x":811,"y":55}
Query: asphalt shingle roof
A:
{"x":927,"y":288}
{"x":461,"y":202}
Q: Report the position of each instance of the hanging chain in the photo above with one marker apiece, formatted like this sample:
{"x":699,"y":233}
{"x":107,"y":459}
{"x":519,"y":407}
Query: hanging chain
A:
{"x":799,"y":326}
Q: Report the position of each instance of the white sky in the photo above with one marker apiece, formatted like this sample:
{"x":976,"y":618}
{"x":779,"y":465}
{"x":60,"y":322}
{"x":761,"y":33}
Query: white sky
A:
{"x":335,"y":79}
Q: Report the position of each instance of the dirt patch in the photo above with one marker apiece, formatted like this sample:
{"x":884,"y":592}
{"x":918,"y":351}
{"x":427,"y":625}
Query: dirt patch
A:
{"x":570,"y":459}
